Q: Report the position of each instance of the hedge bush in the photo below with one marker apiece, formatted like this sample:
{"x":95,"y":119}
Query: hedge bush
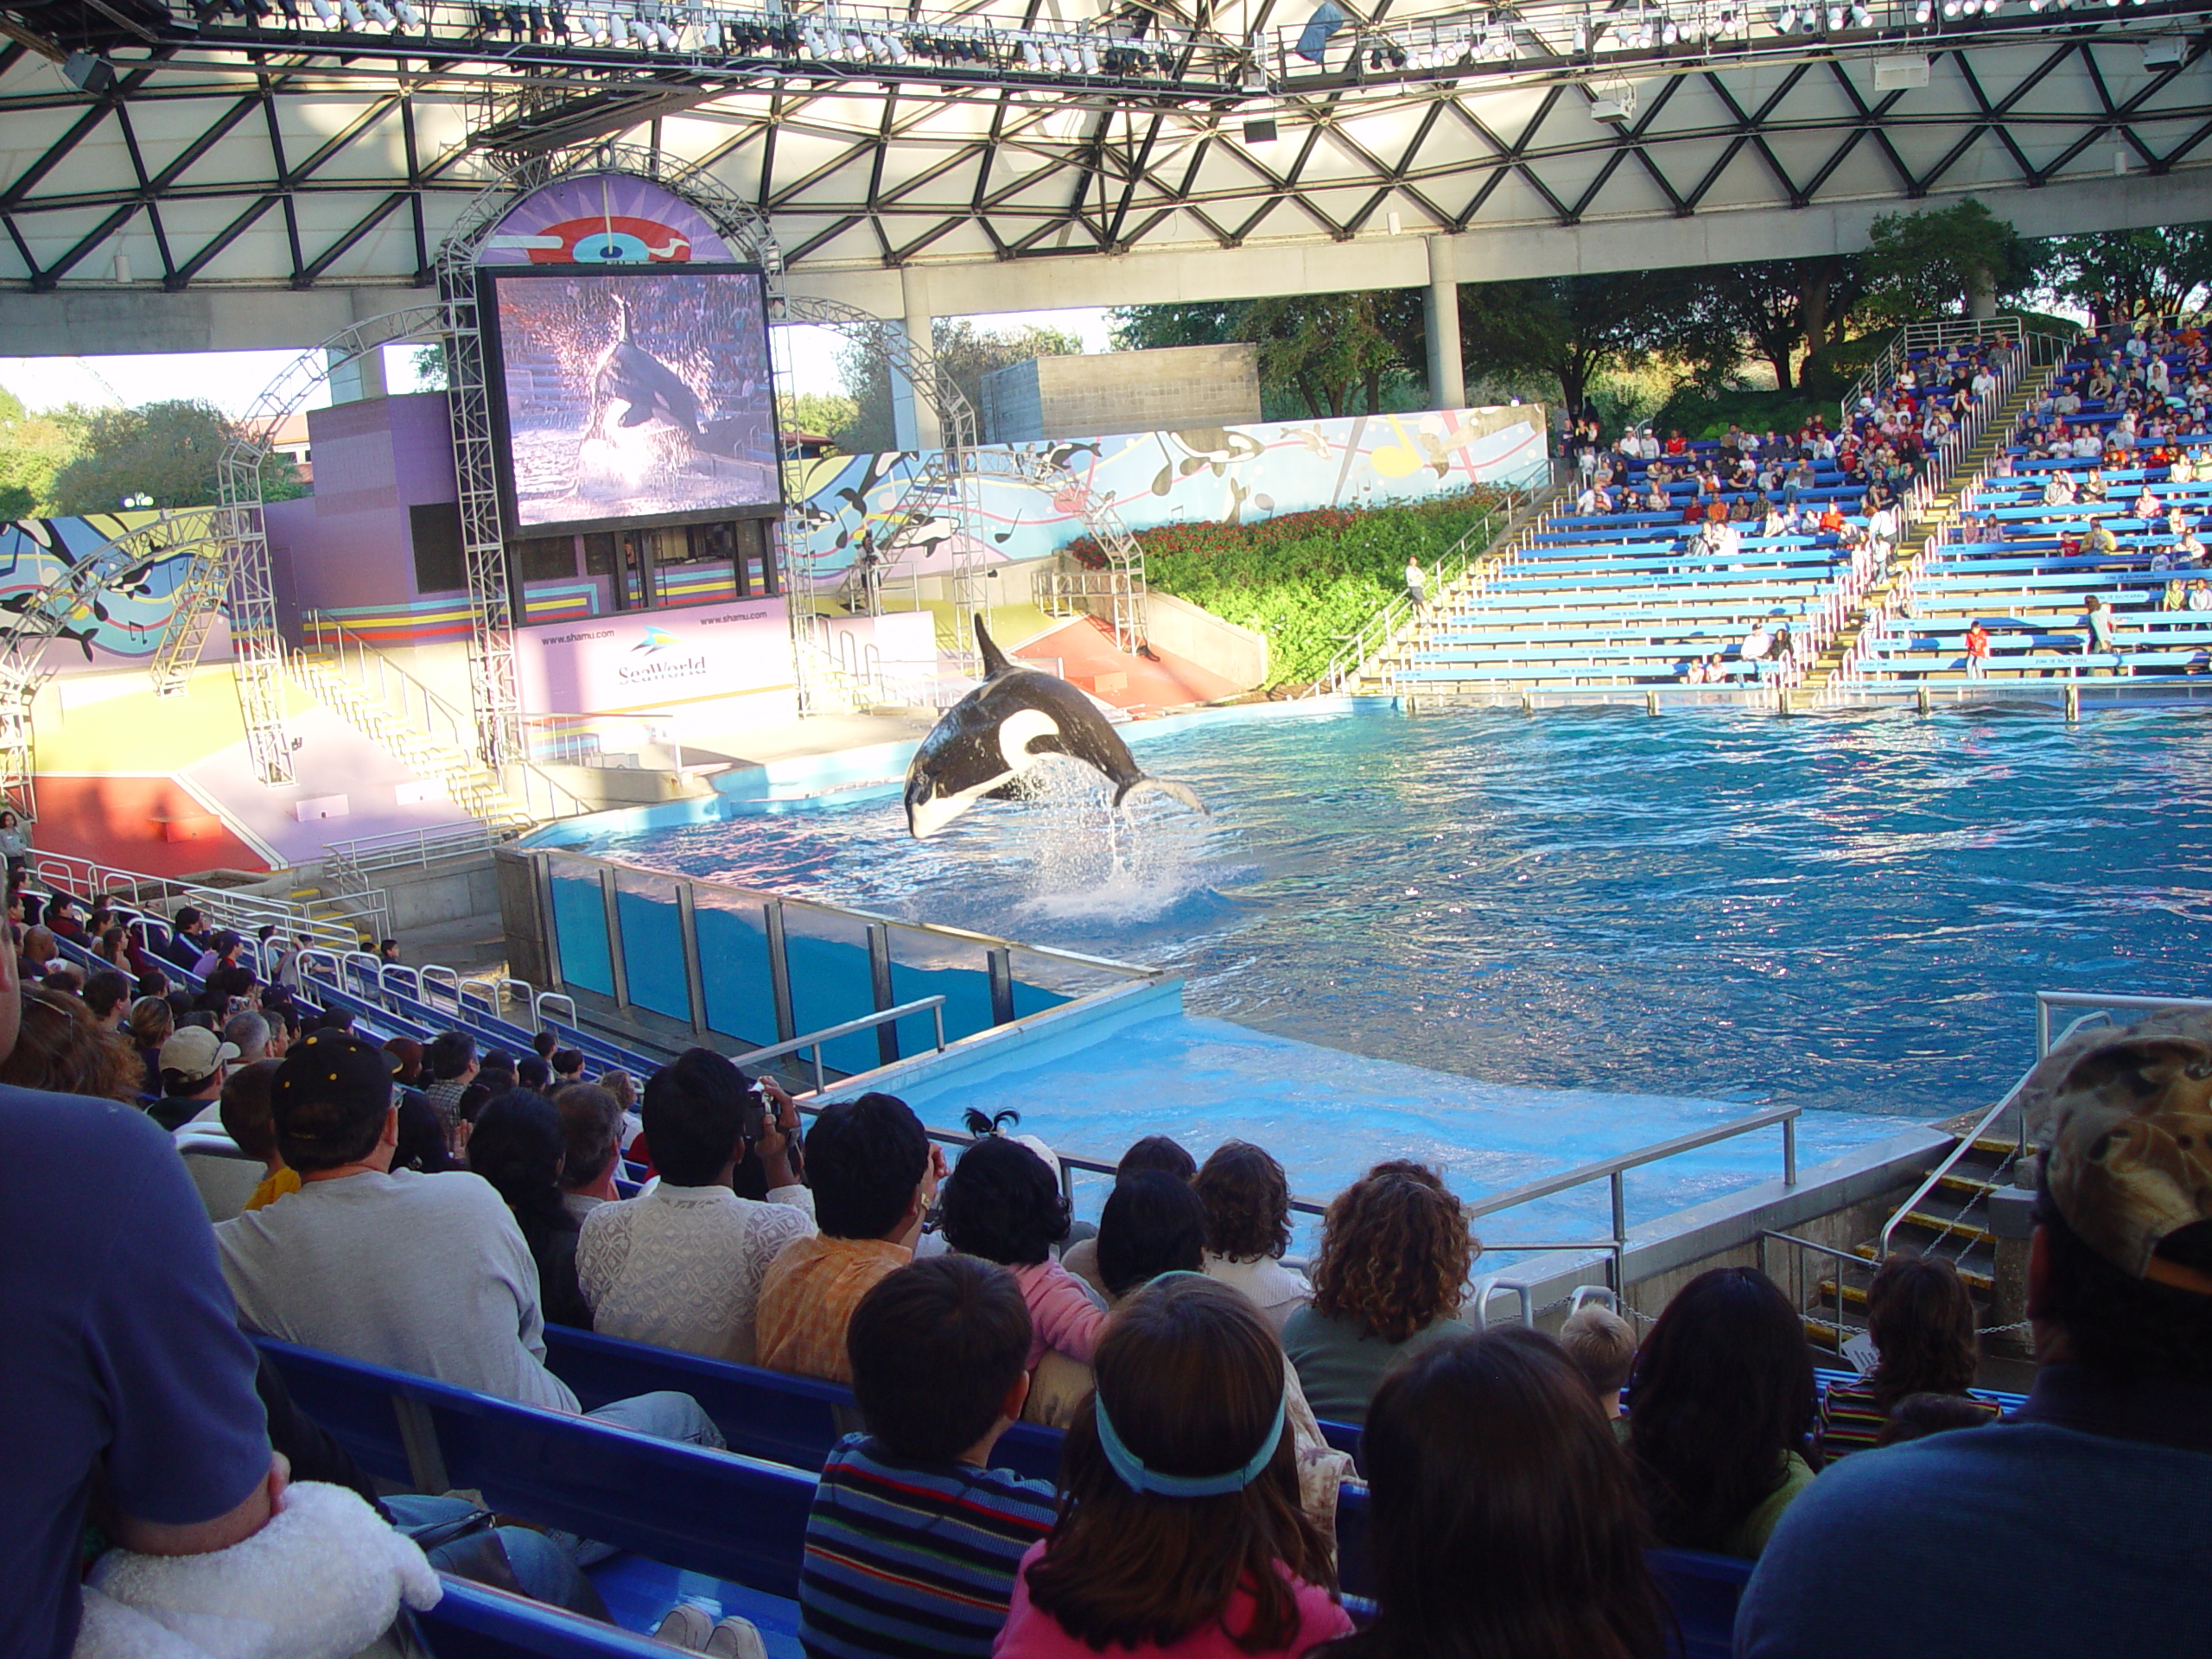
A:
{"x":1305,"y":580}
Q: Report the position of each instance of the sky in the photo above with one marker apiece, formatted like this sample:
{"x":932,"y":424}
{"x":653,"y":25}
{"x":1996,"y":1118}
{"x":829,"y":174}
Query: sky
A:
{"x":233,"y":380}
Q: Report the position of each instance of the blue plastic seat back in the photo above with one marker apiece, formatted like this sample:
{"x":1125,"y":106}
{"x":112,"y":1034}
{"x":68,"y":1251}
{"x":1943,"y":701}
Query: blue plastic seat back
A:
{"x":1703,"y":1590}
{"x":763,"y":1414}
{"x":474,"y":1621}
{"x":714,"y":1512}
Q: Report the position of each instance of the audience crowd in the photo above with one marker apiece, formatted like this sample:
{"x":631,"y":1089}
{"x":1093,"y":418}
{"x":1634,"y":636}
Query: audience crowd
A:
{"x":432,"y":1209}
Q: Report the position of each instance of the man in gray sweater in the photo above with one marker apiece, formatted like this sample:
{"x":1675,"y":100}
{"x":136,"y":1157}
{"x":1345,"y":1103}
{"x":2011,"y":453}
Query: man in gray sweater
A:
{"x":426,"y":1274}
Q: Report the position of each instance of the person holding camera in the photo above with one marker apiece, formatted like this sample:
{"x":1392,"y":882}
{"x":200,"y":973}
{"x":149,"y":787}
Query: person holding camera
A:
{"x":681,"y":1266}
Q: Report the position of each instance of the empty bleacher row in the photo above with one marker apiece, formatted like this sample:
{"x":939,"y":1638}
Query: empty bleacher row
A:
{"x":2024,"y":560}
{"x":1619,"y":591}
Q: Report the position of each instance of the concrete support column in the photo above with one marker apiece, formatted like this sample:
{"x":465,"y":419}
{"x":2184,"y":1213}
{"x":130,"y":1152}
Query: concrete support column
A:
{"x":352,"y":378}
{"x":913,"y":416}
{"x":1448,"y":376}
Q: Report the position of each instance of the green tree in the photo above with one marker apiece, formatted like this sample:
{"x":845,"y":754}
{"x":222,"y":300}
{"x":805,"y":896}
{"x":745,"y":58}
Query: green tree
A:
{"x":1328,"y":354}
{"x":1566,"y":331}
{"x":168,"y":451}
{"x":1936,"y":260}
{"x":958,"y":350}
{"x":828,"y":413}
{"x":33,"y":447}
{"x":2135,"y":273}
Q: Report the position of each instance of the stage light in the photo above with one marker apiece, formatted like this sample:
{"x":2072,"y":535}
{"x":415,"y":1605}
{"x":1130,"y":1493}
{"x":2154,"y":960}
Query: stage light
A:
{"x":1861,"y":18}
{"x":352,"y":13}
{"x":1924,"y":10}
{"x":1785,"y":18}
{"x":407,"y":15}
{"x":326,"y":11}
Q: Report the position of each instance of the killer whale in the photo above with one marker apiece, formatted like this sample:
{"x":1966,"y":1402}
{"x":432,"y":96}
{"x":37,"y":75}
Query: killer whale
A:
{"x":1006,"y":725}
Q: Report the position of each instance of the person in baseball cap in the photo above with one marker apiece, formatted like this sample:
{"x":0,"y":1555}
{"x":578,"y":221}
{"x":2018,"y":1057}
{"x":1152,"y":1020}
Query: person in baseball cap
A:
{"x":2091,"y":1501}
{"x":331,"y":1101}
{"x":191,"y":1064}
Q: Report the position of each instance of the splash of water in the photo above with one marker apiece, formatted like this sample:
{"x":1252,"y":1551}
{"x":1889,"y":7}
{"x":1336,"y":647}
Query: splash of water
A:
{"x":1084,"y":860}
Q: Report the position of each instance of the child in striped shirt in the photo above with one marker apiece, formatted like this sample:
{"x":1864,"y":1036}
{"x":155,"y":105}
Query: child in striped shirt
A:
{"x":913,"y":1540}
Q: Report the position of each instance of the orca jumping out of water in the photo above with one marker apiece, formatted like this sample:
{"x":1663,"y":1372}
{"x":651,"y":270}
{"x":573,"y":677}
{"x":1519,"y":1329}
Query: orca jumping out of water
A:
{"x":632,"y":376}
{"x":1006,"y":725}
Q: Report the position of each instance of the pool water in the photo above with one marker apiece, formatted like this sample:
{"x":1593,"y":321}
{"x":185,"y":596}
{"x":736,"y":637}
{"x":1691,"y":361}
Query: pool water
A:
{"x":1850,"y":911}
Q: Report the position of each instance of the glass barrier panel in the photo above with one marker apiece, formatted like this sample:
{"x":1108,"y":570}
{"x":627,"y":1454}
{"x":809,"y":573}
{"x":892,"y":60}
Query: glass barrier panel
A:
{"x":827,"y":954}
{"x":652,"y":942}
{"x":580,"y":926}
{"x":924,"y":964}
{"x":732,"y":929}
{"x":1042,"y":981}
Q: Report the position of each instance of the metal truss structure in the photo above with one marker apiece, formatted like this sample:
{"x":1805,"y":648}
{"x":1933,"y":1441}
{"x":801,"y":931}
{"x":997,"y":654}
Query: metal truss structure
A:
{"x":318,"y":142}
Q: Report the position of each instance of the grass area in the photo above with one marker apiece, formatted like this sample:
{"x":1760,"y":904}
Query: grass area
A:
{"x":1307,"y":580}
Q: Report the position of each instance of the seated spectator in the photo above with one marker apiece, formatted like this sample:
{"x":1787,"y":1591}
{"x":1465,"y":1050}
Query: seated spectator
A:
{"x":1918,"y":1415}
{"x":62,"y":918}
{"x":567,"y":1065}
{"x":451,"y":1061}
{"x":1181,"y":1530}
{"x":64,"y":977}
{"x":516,"y":1146}
{"x":1152,"y":1223}
{"x":248,"y":1033}
{"x":1602,"y":1346}
{"x":1503,"y":1520}
{"x":914,"y":1539}
{"x":1247,"y":1201}
{"x":426,"y":1274}
{"x":151,"y":1021}
{"x":192,"y":1076}
{"x":36,"y":954}
{"x":222,"y":951}
{"x":60,"y":1049}
{"x":533,"y":1074}
{"x":1152,"y":1151}
{"x":1719,"y":1409}
{"x":2088,"y":1497}
{"x":1387,"y":1283}
{"x":1922,"y":1322}
{"x":874,"y":1175}
{"x":495,"y":1075}
{"x":247,"y":1120}
{"x":189,"y":937}
{"x":107,"y":994}
{"x":1003,"y":1203}
{"x":124,"y":1371}
{"x":681,"y":1266}
{"x":591,"y":1137}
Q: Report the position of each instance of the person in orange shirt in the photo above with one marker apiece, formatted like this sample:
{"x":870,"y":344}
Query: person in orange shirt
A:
{"x":874,"y":1175}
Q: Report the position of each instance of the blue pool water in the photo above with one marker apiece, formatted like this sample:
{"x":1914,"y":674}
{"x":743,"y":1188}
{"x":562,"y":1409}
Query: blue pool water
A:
{"x":1851,"y":911}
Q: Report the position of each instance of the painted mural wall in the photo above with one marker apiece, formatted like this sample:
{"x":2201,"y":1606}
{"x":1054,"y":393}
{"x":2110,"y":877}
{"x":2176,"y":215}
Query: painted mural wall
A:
{"x":121,"y":627}
{"x":1225,"y":474}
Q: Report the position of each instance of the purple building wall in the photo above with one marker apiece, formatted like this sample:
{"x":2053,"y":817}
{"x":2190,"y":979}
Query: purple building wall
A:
{"x":349,"y":544}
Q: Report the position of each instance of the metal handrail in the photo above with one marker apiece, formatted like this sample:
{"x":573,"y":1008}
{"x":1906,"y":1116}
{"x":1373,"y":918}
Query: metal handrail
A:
{"x":1613,"y":1168}
{"x":2045,"y":1002}
{"x":1844,"y":1259}
{"x":814,"y":1039}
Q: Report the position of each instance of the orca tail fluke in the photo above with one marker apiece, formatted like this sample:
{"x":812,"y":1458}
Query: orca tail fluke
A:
{"x":1143,"y":783}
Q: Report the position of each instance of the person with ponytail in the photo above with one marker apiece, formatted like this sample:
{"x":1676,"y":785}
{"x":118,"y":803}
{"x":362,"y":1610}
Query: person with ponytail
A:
{"x":1179,"y":1531}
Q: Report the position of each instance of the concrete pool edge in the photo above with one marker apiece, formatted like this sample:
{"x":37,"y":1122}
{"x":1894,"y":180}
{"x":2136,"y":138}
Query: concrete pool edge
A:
{"x":877,"y":772}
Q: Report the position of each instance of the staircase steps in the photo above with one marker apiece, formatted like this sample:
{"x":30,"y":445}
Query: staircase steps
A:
{"x":469,"y":786}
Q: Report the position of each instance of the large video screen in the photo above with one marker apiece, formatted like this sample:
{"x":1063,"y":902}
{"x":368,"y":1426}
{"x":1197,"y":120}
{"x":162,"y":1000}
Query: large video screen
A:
{"x":630,"y":396}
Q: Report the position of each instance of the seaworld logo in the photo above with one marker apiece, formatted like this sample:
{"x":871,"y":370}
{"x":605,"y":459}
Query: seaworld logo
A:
{"x":659,"y":667}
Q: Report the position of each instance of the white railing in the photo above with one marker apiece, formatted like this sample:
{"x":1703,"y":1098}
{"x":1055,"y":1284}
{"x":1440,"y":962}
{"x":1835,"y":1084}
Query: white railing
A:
{"x":242,"y":912}
{"x":1462,"y":572}
{"x":407,"y":849}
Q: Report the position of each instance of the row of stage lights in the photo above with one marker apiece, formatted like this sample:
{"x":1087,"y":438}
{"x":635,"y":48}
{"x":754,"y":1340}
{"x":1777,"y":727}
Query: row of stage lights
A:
{"x":816,"y":39}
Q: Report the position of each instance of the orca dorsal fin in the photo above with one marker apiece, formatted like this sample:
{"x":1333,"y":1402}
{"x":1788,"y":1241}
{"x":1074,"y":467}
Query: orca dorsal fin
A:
{"x":994,"y":658}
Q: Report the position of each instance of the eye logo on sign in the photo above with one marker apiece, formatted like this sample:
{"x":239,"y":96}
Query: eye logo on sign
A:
{"x":602,"y":239}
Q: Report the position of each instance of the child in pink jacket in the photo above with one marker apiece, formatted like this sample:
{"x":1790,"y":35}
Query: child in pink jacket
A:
{"x":1003,"y":1203}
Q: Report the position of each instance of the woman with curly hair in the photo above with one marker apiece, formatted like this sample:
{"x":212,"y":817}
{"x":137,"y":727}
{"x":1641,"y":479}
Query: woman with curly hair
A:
{"x":1179,"y":1530}
{"x":64,"y":1050}
{"x":1718,"y":1411}
{"x":1386,"y":1284}
{"x":1247,"y":1200}
{"x":1922,"y":1322}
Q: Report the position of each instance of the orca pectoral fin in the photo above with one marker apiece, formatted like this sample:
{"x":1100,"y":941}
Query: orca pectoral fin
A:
{"x":636,"y":415}
{"x":1142,"y":784}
